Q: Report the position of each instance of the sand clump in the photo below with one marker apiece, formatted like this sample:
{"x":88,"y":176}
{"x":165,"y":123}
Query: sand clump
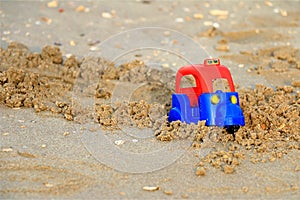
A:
{"x":178,"y":130}
{"x":273,"y":59}
{"x":35,"y":80}
{"x":272,"y":118}
{"x":44,"y":81}
{"x":138,"y":114}
{"x":279,"y":59}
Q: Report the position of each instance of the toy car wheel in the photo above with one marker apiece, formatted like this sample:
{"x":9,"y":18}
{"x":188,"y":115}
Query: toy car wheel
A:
{"x":232,"y":128}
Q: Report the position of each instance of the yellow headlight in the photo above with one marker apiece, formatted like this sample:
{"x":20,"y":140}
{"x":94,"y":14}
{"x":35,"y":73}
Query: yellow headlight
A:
{"x":233,"y":99}
{"x":215,"y":99}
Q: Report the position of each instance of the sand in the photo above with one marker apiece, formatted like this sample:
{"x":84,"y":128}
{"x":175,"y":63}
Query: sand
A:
{"x":75,"y":124}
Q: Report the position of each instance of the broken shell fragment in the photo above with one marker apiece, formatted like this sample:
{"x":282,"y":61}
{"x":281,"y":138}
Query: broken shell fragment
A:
{"x":151,"y":188}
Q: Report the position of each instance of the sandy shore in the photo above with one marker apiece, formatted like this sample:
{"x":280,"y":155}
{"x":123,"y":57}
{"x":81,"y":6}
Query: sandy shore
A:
{"x":53,"y":148}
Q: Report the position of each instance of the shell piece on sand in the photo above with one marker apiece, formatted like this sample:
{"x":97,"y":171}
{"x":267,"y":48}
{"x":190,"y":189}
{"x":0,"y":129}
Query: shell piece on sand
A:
{"x":151,"y":188}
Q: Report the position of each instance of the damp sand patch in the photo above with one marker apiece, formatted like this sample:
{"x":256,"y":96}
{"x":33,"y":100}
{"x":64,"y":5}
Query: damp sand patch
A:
{"x":44,"y":81}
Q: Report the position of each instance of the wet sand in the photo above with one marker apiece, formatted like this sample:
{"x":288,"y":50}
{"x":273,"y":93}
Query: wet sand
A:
{"x":47,"y":148}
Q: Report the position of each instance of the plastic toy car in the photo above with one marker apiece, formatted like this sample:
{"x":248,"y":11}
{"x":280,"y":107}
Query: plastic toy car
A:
{"x":204,"y":100}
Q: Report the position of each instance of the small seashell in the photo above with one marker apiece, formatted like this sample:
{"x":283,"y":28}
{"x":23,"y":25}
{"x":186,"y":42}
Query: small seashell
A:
{"x":72,"y":43}
{"x":197,"y":16}
{"x":66,"y":133}
{"x":208,"y":23}
{"x":167,"y":33}
{"x":179,"y":20}
{"x":119,"y":142}
{"x":7,"y":149}
{"x":165,"y":65}
{"x":168,"y":192}
{"x":218,"y":12}
{"x":48,"y":184}
{"x":94,"y":48}
{"x":106,"y":15}
{"x":268,"y":3}
{"x":80,"y":8}
{"x":151,"y":188}
{"x":52,"y":4}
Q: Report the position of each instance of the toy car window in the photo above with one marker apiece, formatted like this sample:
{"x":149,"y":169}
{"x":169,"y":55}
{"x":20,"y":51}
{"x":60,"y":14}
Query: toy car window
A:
{"x":187,"y":81}
{"x":221,"y":84}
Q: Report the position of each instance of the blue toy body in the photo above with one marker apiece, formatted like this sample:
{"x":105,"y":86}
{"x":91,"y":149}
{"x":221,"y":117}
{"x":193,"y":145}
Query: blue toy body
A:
{"x":198,"y":103}
{"x":223,"y":114}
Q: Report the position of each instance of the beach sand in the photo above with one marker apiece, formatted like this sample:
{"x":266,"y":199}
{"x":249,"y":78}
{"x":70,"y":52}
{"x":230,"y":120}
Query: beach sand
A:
{"x":84,"y":103}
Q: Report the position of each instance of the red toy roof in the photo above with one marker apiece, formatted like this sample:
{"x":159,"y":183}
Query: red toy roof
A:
{"x":204,"y":75}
